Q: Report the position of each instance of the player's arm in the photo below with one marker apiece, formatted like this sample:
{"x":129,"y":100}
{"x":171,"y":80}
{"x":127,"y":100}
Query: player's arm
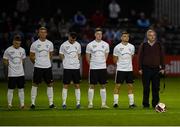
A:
{"x":79,"y":56}
{"x":61,"y":56}
{"x":6,"y":62}
{"x":115,"y":59}
{"x":32,"y":57}
{"x":50,"y":55}
{"x":106,"y":55}
{"x":88,"y":56}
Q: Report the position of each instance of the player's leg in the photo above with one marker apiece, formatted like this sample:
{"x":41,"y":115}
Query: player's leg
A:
{"x":130,"y":81}
{"x":66,"y":81}
{"x":155,"y":87}
{"x":92,"y":82}
{"x":11,"y":87}
{"x":48,"y":78}
{"x":20,"y":85}
{"x":102,"y":79}
{"x":119,"y":79}
{"x":146,"y":77}
{"x":37,"y":77}
{"x":76,"y":80}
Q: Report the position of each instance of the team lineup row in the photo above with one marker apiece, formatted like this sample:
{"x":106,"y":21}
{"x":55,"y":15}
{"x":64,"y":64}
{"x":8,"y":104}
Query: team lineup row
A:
{"x":150,"y":56}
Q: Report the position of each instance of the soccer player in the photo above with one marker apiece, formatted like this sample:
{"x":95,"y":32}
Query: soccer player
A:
{"x":41,"y":52}
{"x":14,"y":58}
{"x":151,"y":63}
{"x":96,"y":54}
{"x":122,"y":56}
{"x":70,"y":53}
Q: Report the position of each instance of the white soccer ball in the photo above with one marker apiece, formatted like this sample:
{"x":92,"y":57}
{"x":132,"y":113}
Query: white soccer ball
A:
{"x":160,"y":107}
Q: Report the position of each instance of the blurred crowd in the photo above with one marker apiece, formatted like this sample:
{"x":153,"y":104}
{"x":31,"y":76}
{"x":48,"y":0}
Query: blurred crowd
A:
{"x":136,"y":23}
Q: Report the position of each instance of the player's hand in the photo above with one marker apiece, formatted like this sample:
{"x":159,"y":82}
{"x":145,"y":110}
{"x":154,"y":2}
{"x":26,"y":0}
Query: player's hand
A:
{"x":162,"y":71}
{"x":140,"y":72}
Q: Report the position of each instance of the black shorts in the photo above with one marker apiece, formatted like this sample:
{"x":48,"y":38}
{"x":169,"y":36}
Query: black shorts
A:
{"x":71,"y":75}
{"x":45,"y":73}
{"x":98,"y":76}
{"x":122,"y":76}
{"x":14,"y":82}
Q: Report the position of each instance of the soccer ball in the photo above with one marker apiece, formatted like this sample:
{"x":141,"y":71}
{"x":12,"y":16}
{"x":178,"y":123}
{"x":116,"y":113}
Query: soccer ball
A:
{"x":160,"y":107}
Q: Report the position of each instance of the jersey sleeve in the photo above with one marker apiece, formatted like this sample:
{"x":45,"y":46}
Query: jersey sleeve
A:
{"x":51,"y":49}
{"x":133,"y":50}
{"x":88,"y":49}
{"x":107,"y":49}
{"x":61,"y":49}
{"x":6,"y":56}
{"x":79,"y":49}
{"x":32,"y":48}
{"x":24,"y":54}
{"x":115,"y":51}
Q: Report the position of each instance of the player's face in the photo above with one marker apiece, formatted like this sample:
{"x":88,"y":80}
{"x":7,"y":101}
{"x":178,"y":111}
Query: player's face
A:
{"x":151,"y":36}
{"x":98,"y":35}
{"x":72,"y":40}
{"x":42,"y":34}
{"x":125,"y":38}
{"x":16,"y":44}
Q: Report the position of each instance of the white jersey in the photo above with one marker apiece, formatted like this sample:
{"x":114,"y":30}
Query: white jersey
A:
{"x":97,"y":51}
{"x":70,"y":52}
{"x":42,"y":50}
{"x":124,"y":54}
{"x":15,"y":58}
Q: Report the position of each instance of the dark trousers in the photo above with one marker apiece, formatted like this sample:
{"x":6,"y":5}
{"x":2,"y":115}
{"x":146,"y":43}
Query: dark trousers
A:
{"x":150,"y":75}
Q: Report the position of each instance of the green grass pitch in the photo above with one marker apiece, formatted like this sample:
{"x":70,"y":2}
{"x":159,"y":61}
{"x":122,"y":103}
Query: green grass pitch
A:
{"x":43,"y":116}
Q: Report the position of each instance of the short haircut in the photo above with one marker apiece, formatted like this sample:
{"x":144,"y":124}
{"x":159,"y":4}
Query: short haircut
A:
{"x":125,"y":32}
{"x":98,"y":29}
{"x":73,"y":35}
{"x":17,"y":37}
{"x":42,"y":28}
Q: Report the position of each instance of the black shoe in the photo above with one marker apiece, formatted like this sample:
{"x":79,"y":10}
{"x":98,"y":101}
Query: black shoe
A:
{"x":145,"y":107}
{"x":132,"y":106}
{"x":32,"y":106}
{"x":115,"y":105}
{"x":52,"y":106}
{"x":78,"y":106}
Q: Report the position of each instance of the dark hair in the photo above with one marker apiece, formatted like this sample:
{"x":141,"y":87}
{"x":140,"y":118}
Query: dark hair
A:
{"x":42,"y":28}
{"x":98,"y":29}
{"x":17,"y":37}
{"x":73,"y":35}
{"x":125,"y":32}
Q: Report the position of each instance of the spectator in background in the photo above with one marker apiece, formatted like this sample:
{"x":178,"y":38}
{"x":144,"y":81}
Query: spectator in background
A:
{"x":22,"y":6}
{"x":79,"y":19}
{"x":98,"y":19}
{"x":143,"y":22}
{"x":114,"y":10}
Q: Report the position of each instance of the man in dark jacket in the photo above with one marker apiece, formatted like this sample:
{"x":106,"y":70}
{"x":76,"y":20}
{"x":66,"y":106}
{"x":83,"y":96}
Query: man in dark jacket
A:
{"x":151,"y":64}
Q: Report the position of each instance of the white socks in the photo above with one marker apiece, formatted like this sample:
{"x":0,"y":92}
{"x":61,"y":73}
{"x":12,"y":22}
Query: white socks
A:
{"x":50,"y":95}
{"x":116,"y":98}
{"x":131,"y":99}
{"x":33,"y":94}
{"x":90,"y":96}
{"x":103,"y":96}
{"x":10,"y":96}
{"x":64,"y":95}
{"x":78,"y":95}
{"x":21,"y":96}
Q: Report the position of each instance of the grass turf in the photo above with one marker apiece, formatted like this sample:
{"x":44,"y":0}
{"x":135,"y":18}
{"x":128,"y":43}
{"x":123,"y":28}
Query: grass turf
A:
{"x":43,"y":116}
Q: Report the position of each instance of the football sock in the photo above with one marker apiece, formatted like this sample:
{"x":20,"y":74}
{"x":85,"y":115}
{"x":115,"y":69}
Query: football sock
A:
{"x":21,"y":96}
{"x":90,"y":95}
{"x":33,"y":94}
{"x":131,"y":99}
{"x":103,"y":96}
{"x":10,"y":96}
{"x":64,"y":95}
{"x":116,"y":97}
{"x":78,"y":95}
{"x":50,"y":95}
